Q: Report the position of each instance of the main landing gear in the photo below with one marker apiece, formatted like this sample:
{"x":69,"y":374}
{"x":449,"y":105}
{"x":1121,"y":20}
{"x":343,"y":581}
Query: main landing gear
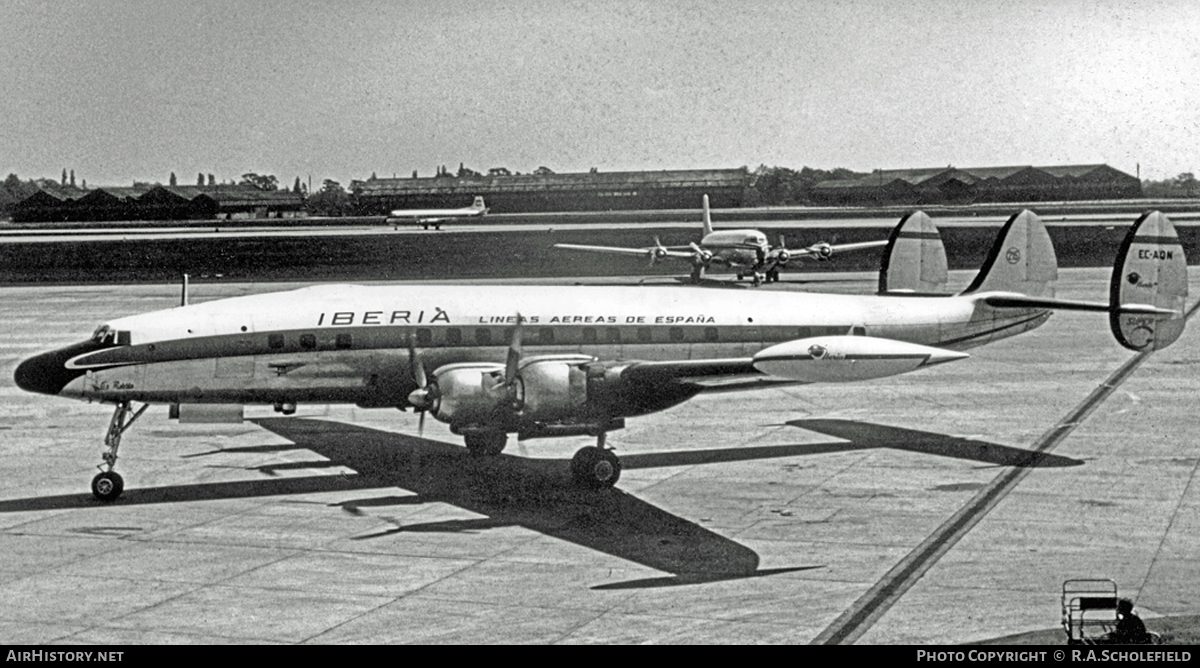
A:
{"x":108,"y":485}
{"x":595,"y":466}
{"x":486,"y":442}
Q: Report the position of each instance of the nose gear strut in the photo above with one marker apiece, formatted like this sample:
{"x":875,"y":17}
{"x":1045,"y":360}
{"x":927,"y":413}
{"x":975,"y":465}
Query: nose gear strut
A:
{"x":108,"y":485}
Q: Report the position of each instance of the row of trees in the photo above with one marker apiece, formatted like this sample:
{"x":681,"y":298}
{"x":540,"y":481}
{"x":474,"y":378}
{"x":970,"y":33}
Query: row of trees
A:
{"x":1183,"y":185}
{"x":769,"y":186}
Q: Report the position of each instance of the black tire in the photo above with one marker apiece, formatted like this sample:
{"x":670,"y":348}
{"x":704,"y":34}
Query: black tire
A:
{"x":107,"y":486}
{"x":486,"y":443}
{"x":595,"y":468}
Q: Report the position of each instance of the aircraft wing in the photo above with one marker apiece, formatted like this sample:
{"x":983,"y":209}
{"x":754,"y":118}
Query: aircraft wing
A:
{"x":653,"y":252}
{"x":823,"y":251}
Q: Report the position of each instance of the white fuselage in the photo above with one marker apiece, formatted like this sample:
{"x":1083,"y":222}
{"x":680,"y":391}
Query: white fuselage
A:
{"x":736,"y":248}
{"x":438,"y":214}
{"x":353,"y":343}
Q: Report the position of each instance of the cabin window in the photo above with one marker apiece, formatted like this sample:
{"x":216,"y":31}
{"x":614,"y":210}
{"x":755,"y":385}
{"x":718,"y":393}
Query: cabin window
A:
{"x":612,"y":335}
{"x":308,"y":341}
{"x":643,"y":334}
{"x":454,"y":336}
{"x":344,"y":341}
{"x":676,"y":333}
{"x":710,"y":333}
{"x":858,"y":330}
{"x":546,"y":335}
{"x":483,"y":337}
{"x":589,"y":335}
{"x":275,"y":341}
{"x":424,"y":336}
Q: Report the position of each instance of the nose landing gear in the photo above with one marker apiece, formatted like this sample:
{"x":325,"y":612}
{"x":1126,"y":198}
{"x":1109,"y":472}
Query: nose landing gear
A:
{"x":108,"y":485}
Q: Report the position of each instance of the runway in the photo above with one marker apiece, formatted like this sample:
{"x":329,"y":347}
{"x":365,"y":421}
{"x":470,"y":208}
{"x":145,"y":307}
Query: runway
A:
{"x":759,"y":517}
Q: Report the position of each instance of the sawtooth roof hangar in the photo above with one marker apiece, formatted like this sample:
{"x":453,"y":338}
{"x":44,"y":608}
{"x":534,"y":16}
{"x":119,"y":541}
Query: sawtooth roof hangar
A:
{"x":587,"y":191}
{"x":951,"y":185}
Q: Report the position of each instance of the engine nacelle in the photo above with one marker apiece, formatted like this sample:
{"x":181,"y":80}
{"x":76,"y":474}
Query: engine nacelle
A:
{"x":551,"y":394}
{"x":553,"y":388}
{"x":833,"y":359}
{"x":467,"y":393}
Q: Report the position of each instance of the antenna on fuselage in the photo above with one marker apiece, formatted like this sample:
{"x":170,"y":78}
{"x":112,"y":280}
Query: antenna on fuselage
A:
{"x":183,"y":296}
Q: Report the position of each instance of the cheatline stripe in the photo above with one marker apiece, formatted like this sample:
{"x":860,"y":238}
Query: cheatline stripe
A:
{"x":919,"y":235}
{"x":863,"y":614}
{"x":1162,"y":241}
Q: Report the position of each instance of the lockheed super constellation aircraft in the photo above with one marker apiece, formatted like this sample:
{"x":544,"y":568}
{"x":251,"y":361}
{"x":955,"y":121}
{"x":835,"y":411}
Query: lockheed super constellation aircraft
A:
{"x":571,"y":360}
{"x":746,"y":252}
{"x":435,"y":217}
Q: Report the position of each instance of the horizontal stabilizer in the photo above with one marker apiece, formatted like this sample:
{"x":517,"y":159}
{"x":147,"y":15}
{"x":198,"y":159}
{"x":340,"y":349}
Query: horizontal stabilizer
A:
{"x":1021,"y":301}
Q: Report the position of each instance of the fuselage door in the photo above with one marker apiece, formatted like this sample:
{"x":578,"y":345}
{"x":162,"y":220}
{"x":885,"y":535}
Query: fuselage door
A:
{"x":232,"y":345}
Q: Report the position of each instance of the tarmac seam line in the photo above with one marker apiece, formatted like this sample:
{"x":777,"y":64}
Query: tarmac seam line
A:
{"x":863,"y":613}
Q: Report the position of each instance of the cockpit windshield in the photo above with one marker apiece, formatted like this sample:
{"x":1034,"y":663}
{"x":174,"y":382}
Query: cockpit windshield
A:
{"x":107,"y":336}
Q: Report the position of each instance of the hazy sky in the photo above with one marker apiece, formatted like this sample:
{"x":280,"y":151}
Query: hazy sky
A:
{"x":120,"y":90}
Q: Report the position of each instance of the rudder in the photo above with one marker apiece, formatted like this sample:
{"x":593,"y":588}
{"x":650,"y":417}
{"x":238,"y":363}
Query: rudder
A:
{"x":914,"y":260}
{"x":1021,"y":260}
{"x":1150,"y":269}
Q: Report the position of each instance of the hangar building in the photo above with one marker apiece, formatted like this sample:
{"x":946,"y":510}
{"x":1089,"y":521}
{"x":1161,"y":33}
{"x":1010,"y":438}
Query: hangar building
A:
{"x":156,"y":202}
{"x":590,"y":191}
{"x":951,"y":185}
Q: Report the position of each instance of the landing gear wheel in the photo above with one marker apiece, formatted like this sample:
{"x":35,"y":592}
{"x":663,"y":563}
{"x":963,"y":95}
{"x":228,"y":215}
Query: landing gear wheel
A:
{"x":595,"y":468}
{"x":486,"y":443}
{"x":107,"y":486}
{"x":773,"y":276}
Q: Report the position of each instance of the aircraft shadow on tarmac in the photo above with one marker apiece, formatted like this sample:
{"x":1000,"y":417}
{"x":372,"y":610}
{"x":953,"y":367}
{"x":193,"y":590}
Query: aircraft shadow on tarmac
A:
{"x":864,"y":435}
{"x":537,"y":494}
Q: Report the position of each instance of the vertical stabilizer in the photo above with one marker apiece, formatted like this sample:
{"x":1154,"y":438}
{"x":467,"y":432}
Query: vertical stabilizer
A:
{"x":1021,"y":260}
{"x":914,"y":259}
{"x":1150,"y":270}
{"x":707,"y":218}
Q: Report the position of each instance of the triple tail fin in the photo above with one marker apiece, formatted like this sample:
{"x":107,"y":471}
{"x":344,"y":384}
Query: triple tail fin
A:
{"x":914,"y":260}
{"x":1021,"y":260}
{"x":1147,"y":293}
{"x":1150,"y":270}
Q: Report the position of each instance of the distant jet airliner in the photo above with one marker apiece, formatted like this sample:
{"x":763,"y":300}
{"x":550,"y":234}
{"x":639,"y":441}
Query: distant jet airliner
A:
{"x":537,"y":361}
{"x":746,"y":252}
{"x":427,"y":217}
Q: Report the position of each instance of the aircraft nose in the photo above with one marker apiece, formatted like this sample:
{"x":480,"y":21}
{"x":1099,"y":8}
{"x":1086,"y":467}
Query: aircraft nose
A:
{"x":47,"y":373}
